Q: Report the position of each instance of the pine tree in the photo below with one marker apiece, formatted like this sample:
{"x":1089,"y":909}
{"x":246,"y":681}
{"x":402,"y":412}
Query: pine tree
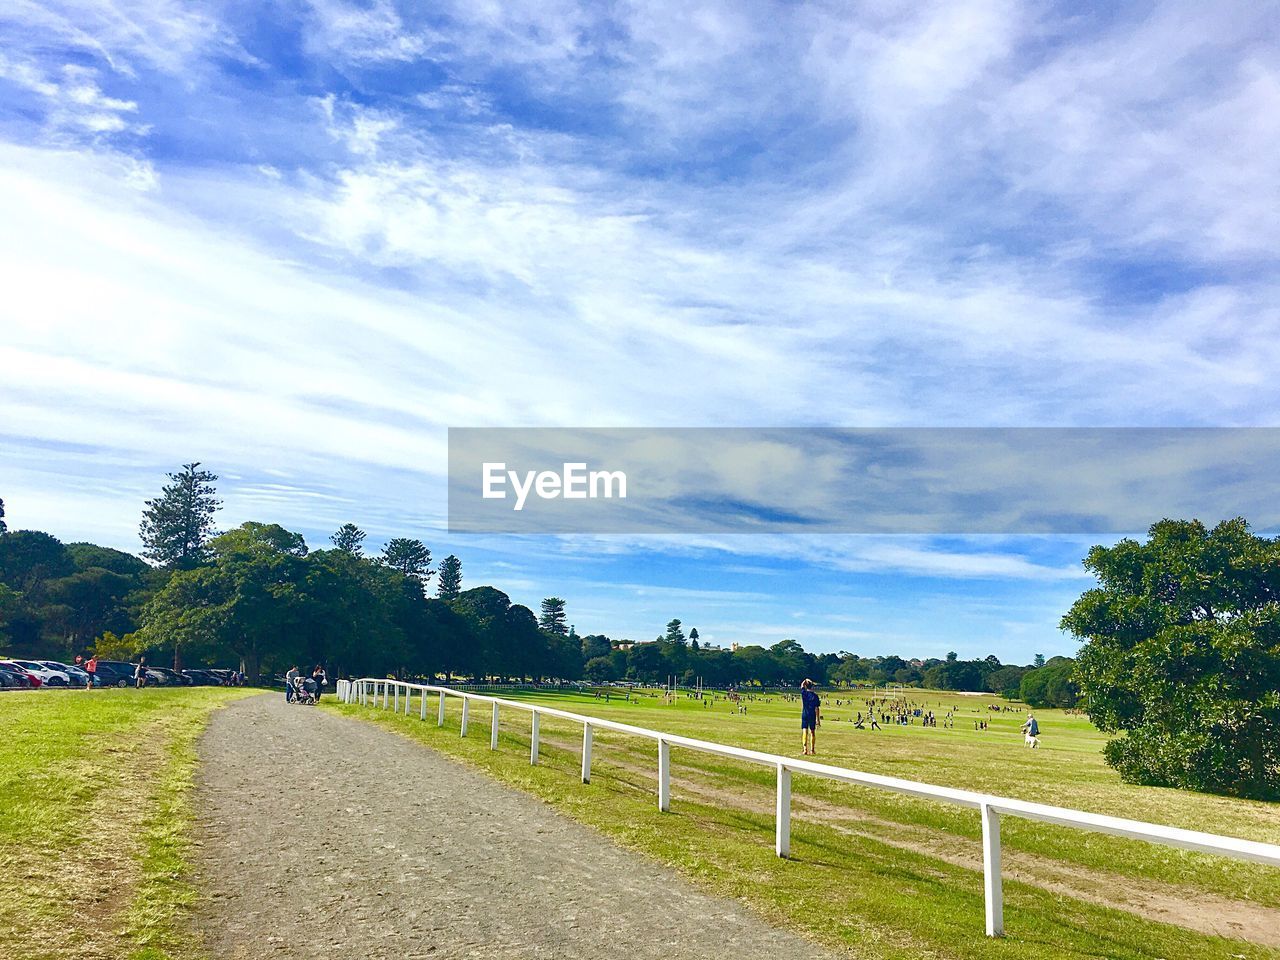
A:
{"x":449,"y":578}
{"x":349,"y":539}
{"x":410,"y":557}
{"x":674,"y":633}
{"x":552,"y":619}
{"x":177,"y":526}
{"x":4,"y":527}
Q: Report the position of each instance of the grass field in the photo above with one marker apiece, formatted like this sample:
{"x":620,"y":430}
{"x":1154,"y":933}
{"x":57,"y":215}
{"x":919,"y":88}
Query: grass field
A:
{"x":890,"y":876}
{"x":94,"y":818}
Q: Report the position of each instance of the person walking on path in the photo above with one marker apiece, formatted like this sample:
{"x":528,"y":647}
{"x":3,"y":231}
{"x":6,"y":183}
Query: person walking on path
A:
{"x":810,"y":716}
{"x":140,"y":673}
{"x":289,"y":677}
{"x":320,"y":678}
{"x":91,"y":668}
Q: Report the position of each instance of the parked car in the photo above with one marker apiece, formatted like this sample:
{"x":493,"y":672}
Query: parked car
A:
{"x":115,"y":673}
{"x":78,"y":677}
{"x":48,"y":675}
{"x":203,"y":678}
{"x":164,"y":677}
{"x":33,"y":679}
{"x":14,"y":677}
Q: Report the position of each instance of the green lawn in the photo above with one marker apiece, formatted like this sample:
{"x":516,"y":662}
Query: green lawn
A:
{"x":890,"y":875}
{"x":94,"y":818}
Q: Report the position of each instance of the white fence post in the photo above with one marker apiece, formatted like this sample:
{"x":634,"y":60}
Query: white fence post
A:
{"x":422,"y":714}
{"x":992,"y":885}
{"x":465,"y":703}
{"x":440,"y":717}
{"x":493,"y":729}
{"x":782,"y":840}
{"x":395,"y":698}
{"x":664,"y":776}
{"x":533,"y":740}
{"x":586,"y":753}
{"x":384,"y":694}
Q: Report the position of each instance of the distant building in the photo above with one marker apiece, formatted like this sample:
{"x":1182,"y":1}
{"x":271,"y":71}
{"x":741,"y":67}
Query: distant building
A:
{"x":623,"y":644}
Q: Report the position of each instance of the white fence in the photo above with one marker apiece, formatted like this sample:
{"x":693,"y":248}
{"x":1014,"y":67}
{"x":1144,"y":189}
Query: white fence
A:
{"x":391,"y":692}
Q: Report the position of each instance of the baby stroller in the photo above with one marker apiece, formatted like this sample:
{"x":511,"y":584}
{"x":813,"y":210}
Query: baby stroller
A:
{"x":304,"y":690}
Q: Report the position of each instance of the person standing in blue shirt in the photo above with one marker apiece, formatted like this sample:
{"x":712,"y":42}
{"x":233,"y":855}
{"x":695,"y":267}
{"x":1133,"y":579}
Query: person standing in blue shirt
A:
{"x":810,"y":716}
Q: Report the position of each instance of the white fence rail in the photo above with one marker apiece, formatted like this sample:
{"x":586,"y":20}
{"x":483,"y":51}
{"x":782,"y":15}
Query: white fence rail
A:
{"x":385,"y":693}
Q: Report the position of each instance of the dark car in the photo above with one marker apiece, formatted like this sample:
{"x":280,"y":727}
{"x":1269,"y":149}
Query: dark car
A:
{"x":202,"y":678}
{"x":115,"y":673}
{"x":14,"y":678}
{"x":166,"y":677}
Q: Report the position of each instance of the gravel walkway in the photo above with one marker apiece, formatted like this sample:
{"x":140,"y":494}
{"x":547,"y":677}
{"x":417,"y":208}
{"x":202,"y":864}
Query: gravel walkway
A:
{"x":422,"y":857}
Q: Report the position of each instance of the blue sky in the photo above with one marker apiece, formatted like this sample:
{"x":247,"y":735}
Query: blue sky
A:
{"x":298,"y":241}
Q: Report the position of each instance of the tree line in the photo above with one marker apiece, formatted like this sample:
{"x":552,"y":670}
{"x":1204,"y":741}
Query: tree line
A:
{"x":258,"y":597}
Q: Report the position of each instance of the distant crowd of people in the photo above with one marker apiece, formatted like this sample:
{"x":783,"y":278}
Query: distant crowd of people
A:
{"x":898,"y":711}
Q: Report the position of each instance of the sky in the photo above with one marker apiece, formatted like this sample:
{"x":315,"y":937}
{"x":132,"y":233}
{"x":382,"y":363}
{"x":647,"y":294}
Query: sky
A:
{"x":299,"y":241}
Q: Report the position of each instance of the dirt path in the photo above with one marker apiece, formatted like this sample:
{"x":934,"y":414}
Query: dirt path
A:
{"x":421,"y":857}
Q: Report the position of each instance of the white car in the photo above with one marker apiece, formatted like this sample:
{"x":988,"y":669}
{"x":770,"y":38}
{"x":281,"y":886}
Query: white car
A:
{"x":49,"y":676}
{"x":77,"y":676}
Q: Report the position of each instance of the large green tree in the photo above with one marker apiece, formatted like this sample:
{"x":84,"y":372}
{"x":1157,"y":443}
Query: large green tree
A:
{"x":1181,"y":657}
{"x":177,"y":526}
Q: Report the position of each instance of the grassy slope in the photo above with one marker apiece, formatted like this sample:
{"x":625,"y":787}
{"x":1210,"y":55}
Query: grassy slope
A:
{"x":94,"y":811}
{"x":857,"y":880}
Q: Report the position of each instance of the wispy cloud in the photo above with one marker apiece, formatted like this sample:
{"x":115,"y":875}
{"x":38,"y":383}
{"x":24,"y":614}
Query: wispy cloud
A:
{"x":307,"y":240}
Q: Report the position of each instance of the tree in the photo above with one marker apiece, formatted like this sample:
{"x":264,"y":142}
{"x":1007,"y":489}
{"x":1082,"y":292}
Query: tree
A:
{"x":552,"y":619}
{"x":349,"y":539}
{"x":87,"y":556}
{"x":4,"y":527}
{"x":1038,"y":662}
{"x":693,"y":636}
{"x":177,"y":526}
{"x":1181,"y":657}
{"x":449,"y":578}
{"x":410,"y":557}
{"x":1052,"y":685}
{"x":1006,"y":681}
{"x":28,"y":558}
{"x":595,"y":645}
{"x":598,"y":670}
{"x":674,"y":633}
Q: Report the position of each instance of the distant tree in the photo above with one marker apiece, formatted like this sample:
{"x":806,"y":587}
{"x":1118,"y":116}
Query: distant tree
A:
{"x":952,"y":657}
{"x":1006,"y":681}
{"x":674,"y":633}
{"x":595,"y":645}
{"x":1181,"y":656}
{"x":87,"y":556}
{"x":410,"y":557}
{"x":449,"y":578}
{"x":4,"y":527}
{"x":1052,"y":685}
{"x":177,"y":526}
{"x":349,"y":539}
{"x":693,"y":636}
{"x":29,"y":558}
{"x":598,"y":670}
{"x":1038,"y":661}
{"x":552,"y":619}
